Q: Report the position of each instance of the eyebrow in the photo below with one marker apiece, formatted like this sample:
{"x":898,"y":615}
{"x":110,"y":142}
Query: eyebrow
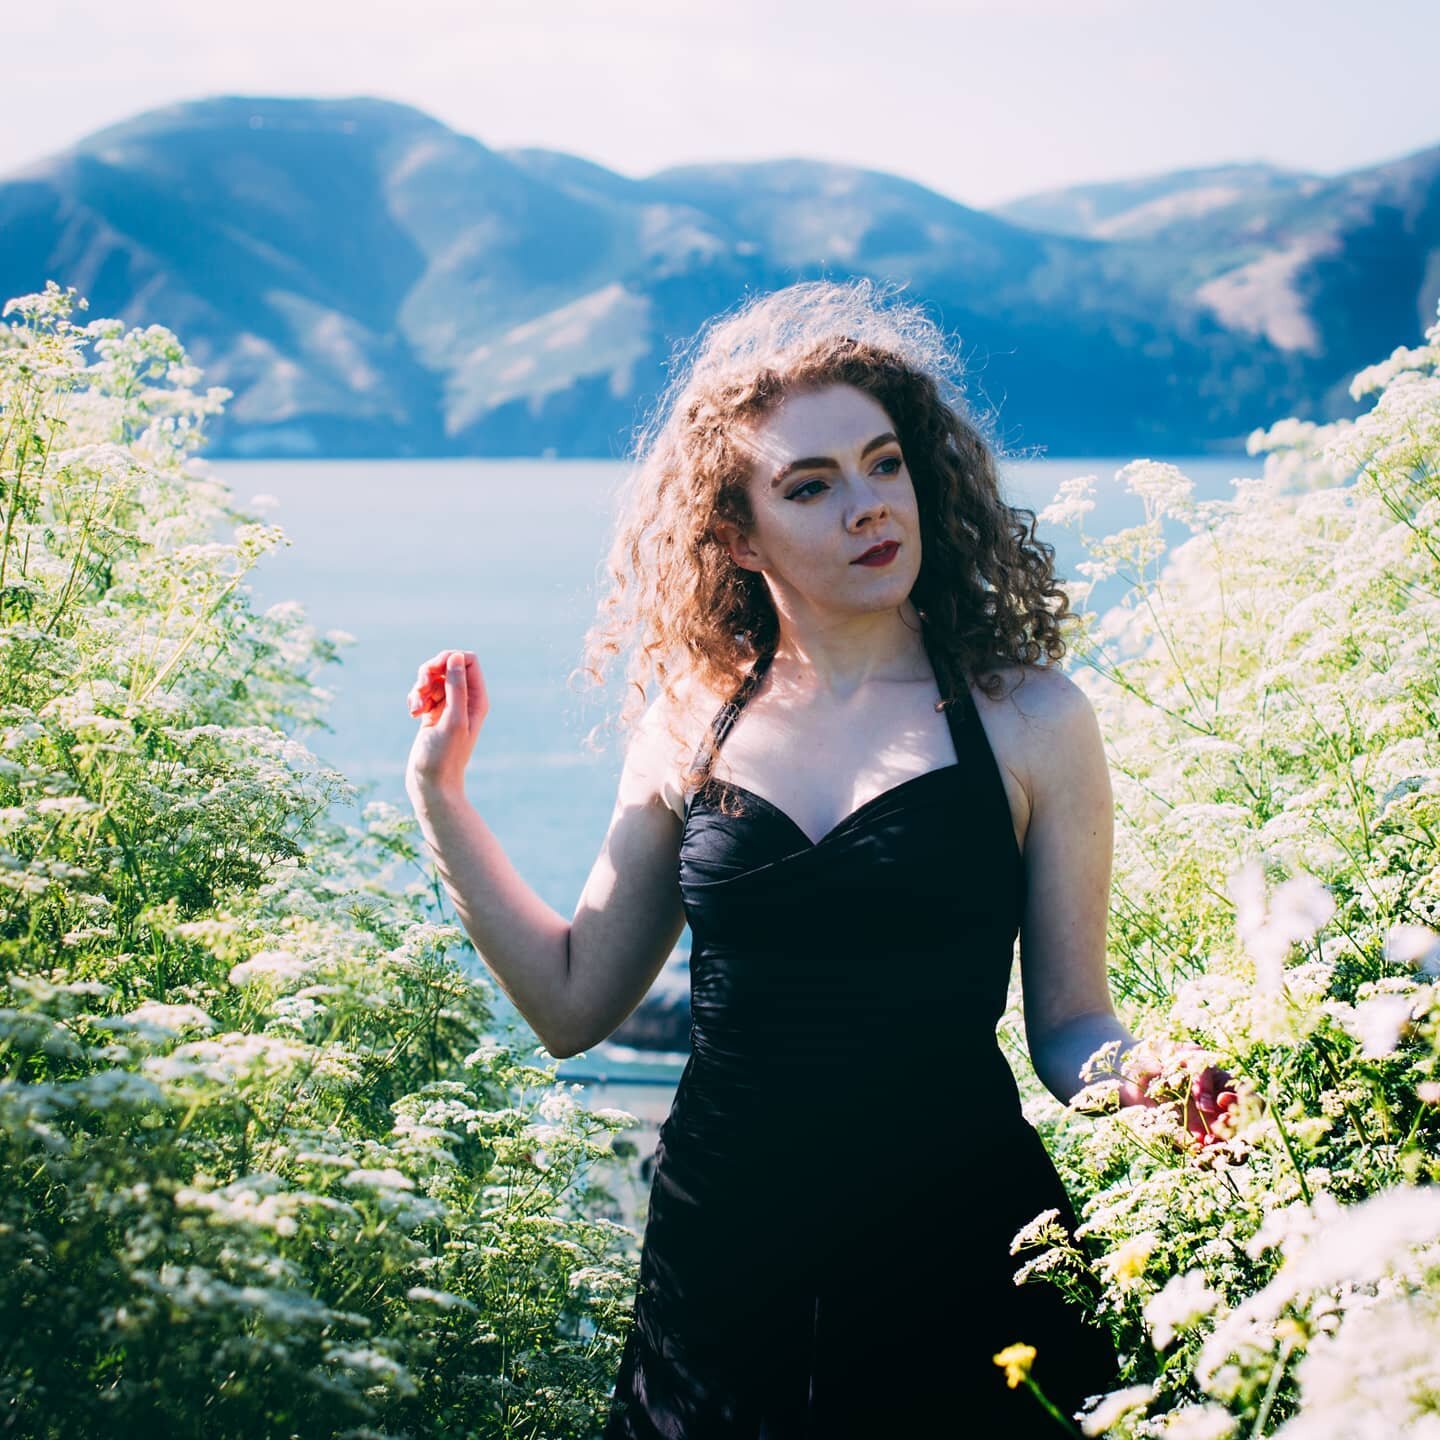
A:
{"x":824,"y":462}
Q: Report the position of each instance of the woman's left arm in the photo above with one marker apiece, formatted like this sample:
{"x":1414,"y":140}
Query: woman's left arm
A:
{"x":1069,"y":847}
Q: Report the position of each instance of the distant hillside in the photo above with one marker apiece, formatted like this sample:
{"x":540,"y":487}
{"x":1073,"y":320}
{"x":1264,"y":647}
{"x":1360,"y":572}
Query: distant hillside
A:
{"x":370,"y":282}
{"x":1150,"y":205}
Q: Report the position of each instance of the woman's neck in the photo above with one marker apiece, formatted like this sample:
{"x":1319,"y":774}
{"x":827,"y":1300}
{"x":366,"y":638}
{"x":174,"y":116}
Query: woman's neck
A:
{"x":836,"y":663}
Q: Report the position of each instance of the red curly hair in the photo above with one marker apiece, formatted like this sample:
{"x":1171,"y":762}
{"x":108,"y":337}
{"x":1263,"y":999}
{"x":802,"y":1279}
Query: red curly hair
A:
{"x":986,"y":591}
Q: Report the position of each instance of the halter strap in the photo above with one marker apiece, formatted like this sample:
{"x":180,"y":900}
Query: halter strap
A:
{"x":727,"y":714}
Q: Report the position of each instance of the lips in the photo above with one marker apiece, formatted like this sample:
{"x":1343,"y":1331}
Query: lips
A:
{"x":883,"y":551}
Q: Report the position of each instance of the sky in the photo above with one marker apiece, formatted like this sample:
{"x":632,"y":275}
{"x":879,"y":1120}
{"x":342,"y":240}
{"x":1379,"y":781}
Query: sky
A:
{"x":982,"y":100}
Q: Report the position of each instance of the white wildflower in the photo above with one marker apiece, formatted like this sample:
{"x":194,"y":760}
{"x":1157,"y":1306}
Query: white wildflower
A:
{"x":443,"y":1299}
{"x":1376,"y":1376}
{"x":622,"y":1118}
{"x":1413,"y":945}
{"x":1125,"y":1265}
{"x":1044,"y":1229}
{"x":1114,"y":1406}
{"x":386,"y":1179}
{"x":1074,"y":498}
{"x":1286,"y":1226}
{"x":1379,"y":1022}
{"x":1207,"y":1421}
{"x":1362,"y":1245}
{"x":1182,"y":1300}
{"x":66,"y":804}
{"x":254,"y":1201}
{"x":374,"y":1365}
{"x":557,"y":1106}
{"x":170,"y":1019}
{"x":278,"y":964}
{"x":112,"y":1089}
{"x":1296,"y":910}
{"x":226,"y":1059}
{"x":1164,"y":487}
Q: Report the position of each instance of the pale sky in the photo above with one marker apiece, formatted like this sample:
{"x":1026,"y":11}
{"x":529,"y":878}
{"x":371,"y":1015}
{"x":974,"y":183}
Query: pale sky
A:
{"x":982,"y":100}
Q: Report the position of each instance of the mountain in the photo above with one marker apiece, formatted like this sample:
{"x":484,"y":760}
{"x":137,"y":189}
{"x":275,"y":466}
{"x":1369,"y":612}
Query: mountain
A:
{"x":1150,"y":205}
{"x":1332,"y":270}
{"x":370,"y":282}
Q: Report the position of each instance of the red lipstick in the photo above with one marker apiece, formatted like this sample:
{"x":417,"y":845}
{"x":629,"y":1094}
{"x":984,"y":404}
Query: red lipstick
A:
{"x":879,"y":554}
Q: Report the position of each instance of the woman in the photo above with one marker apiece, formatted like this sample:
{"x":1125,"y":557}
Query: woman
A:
{"x":814,"y":562}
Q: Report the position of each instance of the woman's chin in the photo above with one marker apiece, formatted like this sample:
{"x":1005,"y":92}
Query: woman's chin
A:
{"x":886,"y":586}
{"x":879,"y":599}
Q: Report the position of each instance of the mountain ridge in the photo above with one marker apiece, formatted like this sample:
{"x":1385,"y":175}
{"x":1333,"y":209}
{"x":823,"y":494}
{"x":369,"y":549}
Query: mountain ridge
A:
{"x":369,"y":281}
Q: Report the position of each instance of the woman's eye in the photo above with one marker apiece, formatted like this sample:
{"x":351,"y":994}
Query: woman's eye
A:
{"x":801,"y":489}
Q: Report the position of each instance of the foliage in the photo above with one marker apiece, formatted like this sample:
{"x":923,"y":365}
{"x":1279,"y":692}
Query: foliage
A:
{"x":1269,"y":695}
{"x":267,"y":1168}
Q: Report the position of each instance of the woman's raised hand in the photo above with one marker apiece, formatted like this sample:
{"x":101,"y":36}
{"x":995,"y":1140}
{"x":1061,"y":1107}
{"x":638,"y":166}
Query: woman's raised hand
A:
{"x":450,"y":701}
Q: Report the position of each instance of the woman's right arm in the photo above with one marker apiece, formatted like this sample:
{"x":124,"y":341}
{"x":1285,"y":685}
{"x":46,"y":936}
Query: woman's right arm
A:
{"x":574,"y":981}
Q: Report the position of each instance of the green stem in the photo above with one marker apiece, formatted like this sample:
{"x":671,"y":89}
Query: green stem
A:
{"x":189,"y":640}
{"x":1414,"y":1126}
{"x":74,"y":571}
{"x":1329,"y":1064}
{"x":13,"y":509}
{"x":1059,"y":1419}
{"x":1270,"y":1391}
{"x":1289,"y":1148}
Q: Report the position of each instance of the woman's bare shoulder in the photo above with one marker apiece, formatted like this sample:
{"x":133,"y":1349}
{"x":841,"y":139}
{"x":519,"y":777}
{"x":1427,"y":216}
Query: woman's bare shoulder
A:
{"x":667,"y":735}
{"x":1037,"y":690}
{"x":1031,"y":718}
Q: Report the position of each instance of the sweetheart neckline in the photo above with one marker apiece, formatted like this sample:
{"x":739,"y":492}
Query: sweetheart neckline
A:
{"x":770,"y":805}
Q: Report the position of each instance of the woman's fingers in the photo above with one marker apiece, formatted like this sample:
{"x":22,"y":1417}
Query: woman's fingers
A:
{"x":429,"y":684}
{"x":429,"y":691}
{"x":477,"y":700}
{"x":426,"y":696}
{"x":457,"y":709}
{"x":432,"y":667}
{"x":1212,"y":1101}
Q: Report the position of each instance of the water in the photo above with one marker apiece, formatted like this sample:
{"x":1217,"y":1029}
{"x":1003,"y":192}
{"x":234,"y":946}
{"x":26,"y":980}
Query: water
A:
{"x":505,"y":558}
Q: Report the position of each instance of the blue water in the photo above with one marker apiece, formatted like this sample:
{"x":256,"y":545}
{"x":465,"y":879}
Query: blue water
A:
{"x":505,"y":557}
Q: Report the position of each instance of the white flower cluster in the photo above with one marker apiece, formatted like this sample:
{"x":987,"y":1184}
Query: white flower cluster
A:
{"x":1180,"y":1302}
{"x":210,"y":1126}
{"x":271,"y":965}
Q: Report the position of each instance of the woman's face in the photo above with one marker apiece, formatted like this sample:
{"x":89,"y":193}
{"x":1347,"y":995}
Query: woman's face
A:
{"x":828,"y":482}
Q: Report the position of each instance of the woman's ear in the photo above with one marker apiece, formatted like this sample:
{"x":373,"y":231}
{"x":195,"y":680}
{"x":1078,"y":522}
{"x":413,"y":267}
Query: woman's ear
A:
{"x":737,"y":543}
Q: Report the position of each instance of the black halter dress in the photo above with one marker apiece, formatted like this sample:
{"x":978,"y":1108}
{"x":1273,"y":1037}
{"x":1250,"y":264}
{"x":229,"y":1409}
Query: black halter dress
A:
{"x":827,"y":1247}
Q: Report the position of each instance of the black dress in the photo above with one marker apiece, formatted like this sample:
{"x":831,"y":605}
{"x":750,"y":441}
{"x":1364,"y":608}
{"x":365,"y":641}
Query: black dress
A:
{"x":826,"y":1250}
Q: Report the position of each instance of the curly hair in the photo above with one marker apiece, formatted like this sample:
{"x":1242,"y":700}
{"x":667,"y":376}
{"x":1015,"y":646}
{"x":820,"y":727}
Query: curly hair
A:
{"x":986,"y":591}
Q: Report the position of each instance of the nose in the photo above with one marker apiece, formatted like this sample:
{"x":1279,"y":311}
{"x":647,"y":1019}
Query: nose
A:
{"x":869,"y":504}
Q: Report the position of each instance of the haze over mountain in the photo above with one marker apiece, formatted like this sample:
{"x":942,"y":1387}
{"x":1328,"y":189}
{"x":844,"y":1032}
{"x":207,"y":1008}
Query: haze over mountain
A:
{"x":370,"y":282}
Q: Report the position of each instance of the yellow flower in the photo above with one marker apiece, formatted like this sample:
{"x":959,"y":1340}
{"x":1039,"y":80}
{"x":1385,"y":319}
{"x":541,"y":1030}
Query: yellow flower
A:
{"x":1128,"y":1262}
{"x":1017,"y":1360}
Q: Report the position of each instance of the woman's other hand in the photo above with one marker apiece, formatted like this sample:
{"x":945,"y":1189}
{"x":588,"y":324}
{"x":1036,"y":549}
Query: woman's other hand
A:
{"x":450,"y":700}
{"x":1209,"y":1102}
